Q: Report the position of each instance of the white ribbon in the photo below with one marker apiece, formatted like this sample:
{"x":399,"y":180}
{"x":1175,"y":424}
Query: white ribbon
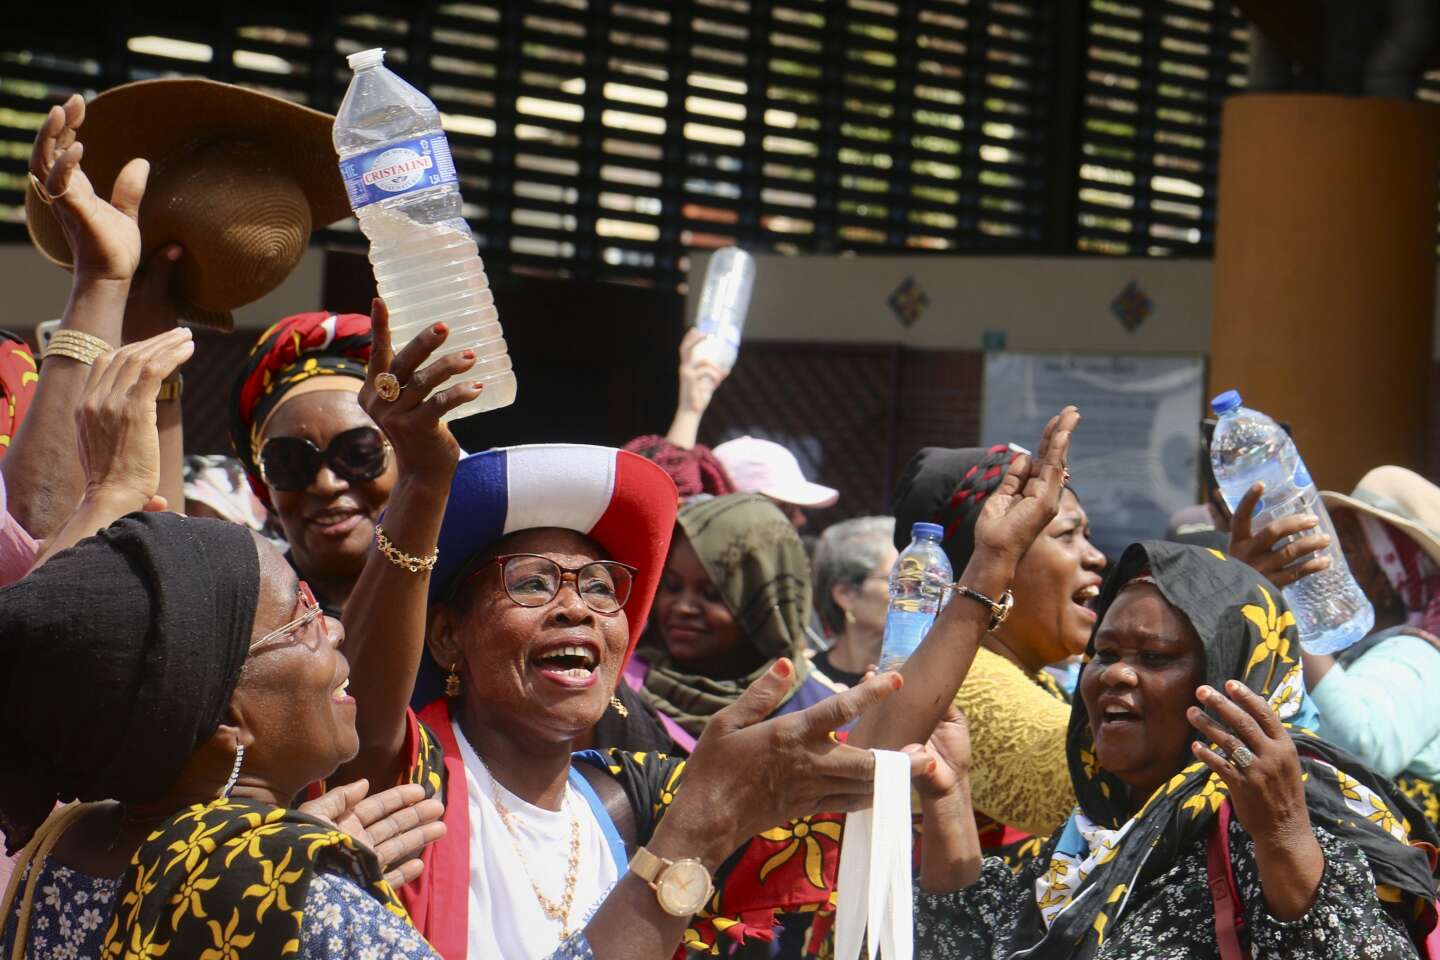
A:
{"x":876,"y":897}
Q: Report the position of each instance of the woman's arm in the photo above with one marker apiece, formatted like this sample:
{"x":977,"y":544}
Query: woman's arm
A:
{"x":746,"y":775}
{"x":44,"y":480}
{"x":385,"y":616}
{"x":1383,"y":708}
{"x":699,"y":379}
{"x":950,"y":843}
{"x":119,"y":444}
{"x":1345,"y":920}
{"x":1013,"y":516}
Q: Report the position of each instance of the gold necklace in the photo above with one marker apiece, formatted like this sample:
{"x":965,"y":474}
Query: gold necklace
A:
{"x":558,"y":912}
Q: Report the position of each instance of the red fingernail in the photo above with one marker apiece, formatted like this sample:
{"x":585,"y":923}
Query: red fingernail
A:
{"x":441,"y":328}
{"x":782,"y":667}
{"x":479,"y":385}
{"x":468,"y":354}
{"x":930,"y":767}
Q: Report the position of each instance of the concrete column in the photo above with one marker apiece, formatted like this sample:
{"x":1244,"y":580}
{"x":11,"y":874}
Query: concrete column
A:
{"x":1325,"y":273}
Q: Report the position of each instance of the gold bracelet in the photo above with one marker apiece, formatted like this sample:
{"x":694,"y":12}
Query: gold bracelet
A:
{"x":84,"y":347}
{"x":171,"y":389}
{"x":400,"y":558}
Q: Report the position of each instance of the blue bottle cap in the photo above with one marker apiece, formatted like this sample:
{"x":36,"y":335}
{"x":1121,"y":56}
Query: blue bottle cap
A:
{"x":1225,"y":402}
{"x":927,"y":530}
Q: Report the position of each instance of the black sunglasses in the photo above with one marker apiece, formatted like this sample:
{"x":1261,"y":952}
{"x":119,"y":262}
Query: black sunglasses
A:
{"x":291,"y":463}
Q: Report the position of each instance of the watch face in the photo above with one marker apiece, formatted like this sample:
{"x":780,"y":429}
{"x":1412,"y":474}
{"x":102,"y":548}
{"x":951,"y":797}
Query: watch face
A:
{"x":683,"y":888}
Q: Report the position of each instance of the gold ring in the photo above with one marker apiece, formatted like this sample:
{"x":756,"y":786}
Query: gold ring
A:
{"x":46,"y":197}
{"x":1065,"y":476}
{"x":387,"y":387}
{"x":1241,"y":756}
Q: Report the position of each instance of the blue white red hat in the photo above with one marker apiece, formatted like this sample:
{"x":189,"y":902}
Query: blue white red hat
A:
{"x":622,"y":501}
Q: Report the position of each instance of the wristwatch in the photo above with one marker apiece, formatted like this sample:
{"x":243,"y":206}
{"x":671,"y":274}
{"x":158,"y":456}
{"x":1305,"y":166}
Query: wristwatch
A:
{"x":171,"y":389}
{"x":999,"y":609}
{"x":681,"y":886}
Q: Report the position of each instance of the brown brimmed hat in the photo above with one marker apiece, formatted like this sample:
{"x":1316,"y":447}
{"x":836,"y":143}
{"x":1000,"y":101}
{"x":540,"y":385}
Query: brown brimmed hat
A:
{"x":238,"y":178}
{"x":1399,"y":497}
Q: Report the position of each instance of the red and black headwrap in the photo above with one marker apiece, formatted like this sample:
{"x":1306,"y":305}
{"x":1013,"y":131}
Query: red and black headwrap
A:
{"x":293,"y":351}
{"x":948,"y":487}
{"x":695,"y":471}
{"x":18,"y":379}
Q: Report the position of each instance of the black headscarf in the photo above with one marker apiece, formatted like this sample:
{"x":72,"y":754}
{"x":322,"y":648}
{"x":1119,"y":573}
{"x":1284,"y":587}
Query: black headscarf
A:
{"x":948,"y":487}
{"x":118,"y":659}
{"x":1248,"y":635}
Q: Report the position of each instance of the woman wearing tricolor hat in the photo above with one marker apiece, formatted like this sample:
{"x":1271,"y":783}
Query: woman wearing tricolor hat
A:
{"x":538,"y":566}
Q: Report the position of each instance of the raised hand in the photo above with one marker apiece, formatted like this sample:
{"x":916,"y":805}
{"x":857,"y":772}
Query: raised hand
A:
{"x":1028,"y":498}
{"x":766,"y":772}
{"x":104,"y":236}
{"x":411,"y":421}
{"x":699,"y":376}
{"x":948,"y":755}
{"x":397,"y":824}
{"x":1262,"y":771}
{"x":1299,"y":558}
{"x":116,"y":420}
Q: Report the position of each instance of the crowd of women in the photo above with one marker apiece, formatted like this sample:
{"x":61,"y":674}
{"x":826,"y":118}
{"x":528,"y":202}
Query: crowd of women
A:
{"x":570,"y":701}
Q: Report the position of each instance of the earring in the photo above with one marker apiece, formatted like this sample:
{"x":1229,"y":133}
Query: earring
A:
{"x":620,"y":708}
{"x":234,"y":771}
{"x":849,"y":616}
{"x":452,"y":682}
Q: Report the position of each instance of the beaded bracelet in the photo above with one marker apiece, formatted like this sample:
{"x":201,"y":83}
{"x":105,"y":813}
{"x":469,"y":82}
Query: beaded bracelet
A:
{"x":75,"y":345}
{"x":400,"y":558}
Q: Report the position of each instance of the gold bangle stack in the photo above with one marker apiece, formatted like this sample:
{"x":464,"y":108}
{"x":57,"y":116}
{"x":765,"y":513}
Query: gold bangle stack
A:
{"x":400,"y":558}
{"x":75,"y":345}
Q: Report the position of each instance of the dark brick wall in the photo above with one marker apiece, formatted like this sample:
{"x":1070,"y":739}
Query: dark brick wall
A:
{"x":853,"y":414}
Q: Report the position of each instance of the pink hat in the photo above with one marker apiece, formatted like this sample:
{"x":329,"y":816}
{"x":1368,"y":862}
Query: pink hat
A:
{"x":765,"y":467}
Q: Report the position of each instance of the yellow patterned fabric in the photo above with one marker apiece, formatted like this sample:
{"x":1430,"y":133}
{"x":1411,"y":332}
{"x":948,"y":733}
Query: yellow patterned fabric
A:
{"x":228,"y":880}
{"x":1019,"y":776}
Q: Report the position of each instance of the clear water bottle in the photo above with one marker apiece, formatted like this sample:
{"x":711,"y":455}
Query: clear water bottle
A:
{"x":401,"y":179}
{"x":918,"y":584}
{"x":1331,"y":611}
{"x":724,"y":301}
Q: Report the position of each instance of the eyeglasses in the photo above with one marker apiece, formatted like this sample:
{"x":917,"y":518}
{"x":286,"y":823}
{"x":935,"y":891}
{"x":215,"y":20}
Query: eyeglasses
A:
{"x":531,"y":580}
{"x":306,"y":599}
{"x":291,"y":463}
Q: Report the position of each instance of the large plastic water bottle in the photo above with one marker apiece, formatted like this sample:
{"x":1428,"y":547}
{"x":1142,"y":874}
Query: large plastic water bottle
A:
{"x":918,"y":583}
{"x":1331,"y":611}
{"x":401,"y":179}
{"x":724,"y":301}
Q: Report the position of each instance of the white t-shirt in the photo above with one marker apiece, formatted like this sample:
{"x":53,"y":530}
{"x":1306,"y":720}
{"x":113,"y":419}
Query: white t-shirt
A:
{"x":506,"y":920}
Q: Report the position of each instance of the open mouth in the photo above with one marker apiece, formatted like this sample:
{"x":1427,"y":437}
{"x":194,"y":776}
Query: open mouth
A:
{"x":341,"y":693}
{"x":1085,"y":598}
{"x":1117,"y":715}
{"x":573,"y":663}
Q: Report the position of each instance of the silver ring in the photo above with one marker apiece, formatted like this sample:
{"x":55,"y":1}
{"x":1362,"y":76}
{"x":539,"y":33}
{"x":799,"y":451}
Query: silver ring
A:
{"x":1241,"y":756}
{"x":387,"y":387}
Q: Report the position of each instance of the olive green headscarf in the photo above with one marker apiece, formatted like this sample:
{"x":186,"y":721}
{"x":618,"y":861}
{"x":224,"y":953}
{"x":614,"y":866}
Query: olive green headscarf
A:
{"x":754,"y":556}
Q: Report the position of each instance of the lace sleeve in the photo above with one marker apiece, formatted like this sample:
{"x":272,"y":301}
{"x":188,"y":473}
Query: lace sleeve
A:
{"x":1017,"y":734}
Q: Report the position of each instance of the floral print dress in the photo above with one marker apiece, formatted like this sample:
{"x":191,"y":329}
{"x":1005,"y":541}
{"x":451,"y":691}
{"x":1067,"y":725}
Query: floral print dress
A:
{"x":72,"y":911}
{"x":1173,"y":917}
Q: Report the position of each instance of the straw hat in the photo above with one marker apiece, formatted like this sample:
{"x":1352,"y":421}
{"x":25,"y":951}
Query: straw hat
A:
{"x":1402,"y":498}
{"x":238,"y":178}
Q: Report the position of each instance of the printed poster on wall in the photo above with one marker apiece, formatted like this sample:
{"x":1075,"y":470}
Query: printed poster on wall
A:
{"x":1135,"y":458}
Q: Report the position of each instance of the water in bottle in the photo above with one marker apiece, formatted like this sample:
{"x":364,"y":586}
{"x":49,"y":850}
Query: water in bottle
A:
{"x":724,"y":301}
{"x":1331,"y":611}
{"x":401,"y":179}
{"x":918,"y":583}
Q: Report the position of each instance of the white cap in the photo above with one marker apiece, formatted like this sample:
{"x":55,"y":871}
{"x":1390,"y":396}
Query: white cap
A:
{"x":765,"y":467}
{"x":366,"y":58}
